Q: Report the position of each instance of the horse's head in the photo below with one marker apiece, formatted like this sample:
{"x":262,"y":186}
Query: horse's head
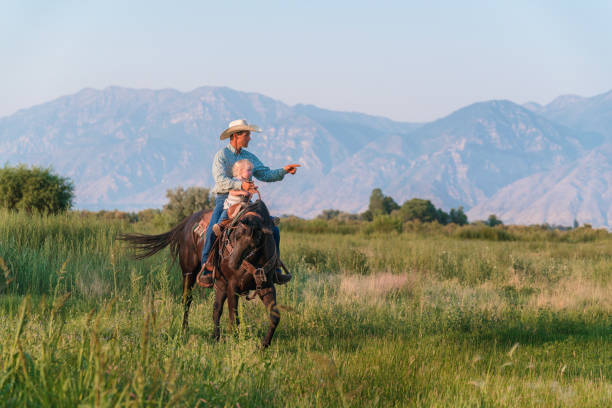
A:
{"x":251,"y":235}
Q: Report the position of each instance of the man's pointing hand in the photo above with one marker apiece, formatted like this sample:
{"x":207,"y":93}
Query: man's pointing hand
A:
{"x":291,"y":168}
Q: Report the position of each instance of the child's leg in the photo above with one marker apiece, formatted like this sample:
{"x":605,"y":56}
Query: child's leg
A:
{"x":223,"y":216}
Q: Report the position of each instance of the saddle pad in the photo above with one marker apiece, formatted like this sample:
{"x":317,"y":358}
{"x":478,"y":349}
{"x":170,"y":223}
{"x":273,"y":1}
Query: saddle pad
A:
{"x":200,"y":228}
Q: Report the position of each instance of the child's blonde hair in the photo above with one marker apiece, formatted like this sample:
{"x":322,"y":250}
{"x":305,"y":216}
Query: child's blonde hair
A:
{"x":239,"y":165}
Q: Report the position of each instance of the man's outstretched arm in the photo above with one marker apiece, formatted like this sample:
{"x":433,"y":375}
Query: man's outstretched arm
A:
{"x":263,"y":173}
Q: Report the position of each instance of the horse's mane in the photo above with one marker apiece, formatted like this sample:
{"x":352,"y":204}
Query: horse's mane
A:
{"x":260,"y":208}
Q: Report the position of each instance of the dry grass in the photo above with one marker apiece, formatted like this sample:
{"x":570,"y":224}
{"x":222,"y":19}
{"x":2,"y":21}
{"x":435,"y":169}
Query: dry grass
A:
{"x":377,"y":286}
{"x":574,"y":292}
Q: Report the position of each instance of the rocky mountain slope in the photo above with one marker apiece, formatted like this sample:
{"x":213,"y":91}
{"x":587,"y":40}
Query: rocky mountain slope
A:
{"x":580,"y":191}
{"x":125,"y":147}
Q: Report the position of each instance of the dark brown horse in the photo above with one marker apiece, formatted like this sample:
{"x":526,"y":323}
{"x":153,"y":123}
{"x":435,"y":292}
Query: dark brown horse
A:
{"x":245,"y":259}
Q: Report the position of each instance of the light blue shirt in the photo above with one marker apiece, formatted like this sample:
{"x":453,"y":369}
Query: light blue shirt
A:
{"x":222,"y":169}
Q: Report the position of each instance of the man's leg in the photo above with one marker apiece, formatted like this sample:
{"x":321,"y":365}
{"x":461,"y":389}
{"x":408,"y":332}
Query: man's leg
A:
{"x":276,"y":233}
{"x":205,"y":278}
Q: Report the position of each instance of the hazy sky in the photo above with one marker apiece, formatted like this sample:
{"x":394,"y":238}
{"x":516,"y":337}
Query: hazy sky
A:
{"x":411,"y":61}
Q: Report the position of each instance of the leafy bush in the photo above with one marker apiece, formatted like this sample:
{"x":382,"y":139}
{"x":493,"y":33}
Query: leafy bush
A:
{"x":457,"y":216}
{"x":493,"y":221}
{"x":421,"y":210}
{"x":381,"y":204}
{"x":418,"y":209}
{"x":183,"y":202}
{"x":547,"y":233}
{"x":34,"y":189}
{"x":383,"y":223}
{"x":338,"y":215}
{"x":319,"y":226}
{"x":485,"y":232}
{"x":354,"y":261}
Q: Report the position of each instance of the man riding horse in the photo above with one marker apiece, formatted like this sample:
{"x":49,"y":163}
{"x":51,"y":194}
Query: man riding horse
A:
{"x":239,"y":133}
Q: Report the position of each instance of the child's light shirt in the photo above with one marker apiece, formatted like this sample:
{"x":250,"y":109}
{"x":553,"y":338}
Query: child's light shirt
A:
{"x":233,"y":199}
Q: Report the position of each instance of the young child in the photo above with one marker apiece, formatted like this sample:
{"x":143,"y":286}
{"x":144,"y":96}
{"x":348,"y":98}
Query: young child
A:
{"x":242,"y":170}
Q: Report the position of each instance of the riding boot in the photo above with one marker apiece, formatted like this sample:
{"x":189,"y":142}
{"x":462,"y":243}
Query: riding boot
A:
{"x":205,"y":277}
{"x":282,"y":278}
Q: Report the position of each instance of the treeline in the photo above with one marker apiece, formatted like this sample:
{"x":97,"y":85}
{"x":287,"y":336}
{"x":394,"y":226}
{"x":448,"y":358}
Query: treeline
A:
{"x":410,"y":210}
{"x":384,"y":215}
{"x":479,"y":230}
{"x":416,"y":209}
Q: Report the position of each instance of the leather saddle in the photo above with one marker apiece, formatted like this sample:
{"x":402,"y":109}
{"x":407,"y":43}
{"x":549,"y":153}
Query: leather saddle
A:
{"x":199,"y":229}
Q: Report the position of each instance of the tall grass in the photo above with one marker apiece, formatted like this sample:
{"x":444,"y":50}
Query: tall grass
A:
{"x":418,"y":318}
{"x":391,"y":224}
{"x":96,"y":264}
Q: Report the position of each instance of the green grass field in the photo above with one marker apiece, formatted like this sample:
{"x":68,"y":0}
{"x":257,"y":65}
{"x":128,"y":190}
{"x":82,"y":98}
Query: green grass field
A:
{"x":420,"y":318}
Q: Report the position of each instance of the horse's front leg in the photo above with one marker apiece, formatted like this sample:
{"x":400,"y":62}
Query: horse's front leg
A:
{"x":232,"y":304}
{"x":268,"y":297}
{"x":220,"y":297}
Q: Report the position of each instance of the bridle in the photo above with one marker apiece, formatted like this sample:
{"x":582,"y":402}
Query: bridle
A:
{"x":261,"y":274}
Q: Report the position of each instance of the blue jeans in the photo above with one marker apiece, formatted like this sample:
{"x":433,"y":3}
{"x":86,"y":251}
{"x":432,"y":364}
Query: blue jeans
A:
{"x":276,"y":234}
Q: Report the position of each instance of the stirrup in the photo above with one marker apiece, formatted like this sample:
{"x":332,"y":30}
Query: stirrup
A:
{"x":217,"y":230}
{"x":205,"y":280}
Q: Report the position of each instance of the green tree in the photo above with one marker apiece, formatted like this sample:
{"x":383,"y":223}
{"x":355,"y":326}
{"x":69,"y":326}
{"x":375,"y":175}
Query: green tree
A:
{"x":442,"y":216}
{"x":493,"y":221}
{"x":457,"y":216}
{"x":366,"y":215}
{"x":35,"y":189}
{"x":329,"y":214}
{"x":376,"y":206}
{"x":418,"y":209}
{"x":337,"y":215}
{"x":389,"y":205}
{"x":381,"y":204}
{"x":183,"y":202}
{"x":148,"y":215}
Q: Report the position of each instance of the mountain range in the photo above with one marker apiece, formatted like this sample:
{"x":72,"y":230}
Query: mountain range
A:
{"x":527,"y":164}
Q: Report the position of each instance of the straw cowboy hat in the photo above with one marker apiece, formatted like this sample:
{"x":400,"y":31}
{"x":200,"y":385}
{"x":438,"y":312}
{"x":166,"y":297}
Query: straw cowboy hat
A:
{"x":239,"y":125}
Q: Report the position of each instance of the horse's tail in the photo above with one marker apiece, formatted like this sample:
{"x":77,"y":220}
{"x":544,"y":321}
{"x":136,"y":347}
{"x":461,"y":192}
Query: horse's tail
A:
{"x":147,"y":245}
